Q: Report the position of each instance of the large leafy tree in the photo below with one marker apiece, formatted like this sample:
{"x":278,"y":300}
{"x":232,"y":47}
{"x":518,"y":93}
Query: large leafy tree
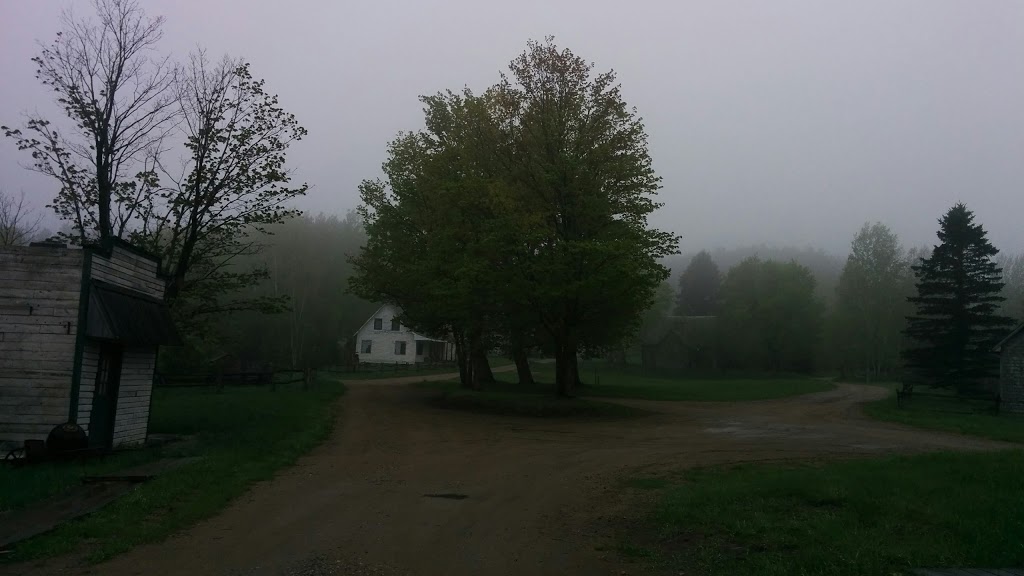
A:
{"x":770,"y":319}
{"x":956,"y":323}
{"x":698,"y":287}
{"x":577,"y":159}
{"x":437,"y":235}
{"x":871,"y":301}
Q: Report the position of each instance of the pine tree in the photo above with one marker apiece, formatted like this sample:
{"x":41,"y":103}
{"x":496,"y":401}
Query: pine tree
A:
{"x":956,"y":324}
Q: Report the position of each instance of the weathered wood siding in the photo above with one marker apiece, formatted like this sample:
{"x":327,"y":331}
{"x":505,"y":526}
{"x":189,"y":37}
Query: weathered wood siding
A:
{"x":90,"y":363}
{"x":133,"y":396}
{"x":129,"y":270}
{"x":1011,"y":376}
{"x":39,"y":293}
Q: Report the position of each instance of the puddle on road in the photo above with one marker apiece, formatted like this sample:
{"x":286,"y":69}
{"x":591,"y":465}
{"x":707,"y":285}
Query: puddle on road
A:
{"x":448,"y":496}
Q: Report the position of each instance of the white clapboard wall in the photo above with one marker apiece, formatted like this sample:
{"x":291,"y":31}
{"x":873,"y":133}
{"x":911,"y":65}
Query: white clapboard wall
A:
{"x":129,"y":270}
{"x":39,"y":291}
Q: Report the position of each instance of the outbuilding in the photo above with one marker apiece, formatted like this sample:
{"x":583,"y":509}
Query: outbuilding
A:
{"x":79,"y":333}
{"x":1011,"y":372}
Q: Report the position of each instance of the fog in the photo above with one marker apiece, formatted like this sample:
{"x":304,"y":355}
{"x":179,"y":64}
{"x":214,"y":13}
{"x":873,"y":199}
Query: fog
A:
{"x":786,"y":123}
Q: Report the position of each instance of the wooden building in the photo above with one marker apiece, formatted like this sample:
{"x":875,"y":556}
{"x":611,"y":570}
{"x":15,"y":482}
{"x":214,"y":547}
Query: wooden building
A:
{"x":79,"y":333}
{"x":1011,"y":372}
{"x":383,"y":339}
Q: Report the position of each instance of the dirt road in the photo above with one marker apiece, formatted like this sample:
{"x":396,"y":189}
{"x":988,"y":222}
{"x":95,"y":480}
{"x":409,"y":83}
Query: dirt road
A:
{"x":403,"y":488}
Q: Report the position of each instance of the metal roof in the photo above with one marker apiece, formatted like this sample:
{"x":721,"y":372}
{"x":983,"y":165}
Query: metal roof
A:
{"x":127,"y":316}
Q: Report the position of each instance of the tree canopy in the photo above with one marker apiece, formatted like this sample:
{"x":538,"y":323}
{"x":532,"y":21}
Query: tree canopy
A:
{"x":698,"y":287}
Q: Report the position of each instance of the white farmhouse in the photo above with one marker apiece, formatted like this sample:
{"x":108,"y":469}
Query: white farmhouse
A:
{"x":382,"y":339}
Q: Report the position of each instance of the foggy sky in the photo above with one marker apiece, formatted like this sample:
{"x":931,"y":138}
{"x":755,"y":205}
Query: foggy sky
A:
{"x":770,"y":122}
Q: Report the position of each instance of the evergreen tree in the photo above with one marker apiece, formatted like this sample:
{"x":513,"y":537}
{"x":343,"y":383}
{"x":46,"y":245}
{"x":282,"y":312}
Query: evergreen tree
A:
{"x":698,"y":287}
{"x":956,"y":324}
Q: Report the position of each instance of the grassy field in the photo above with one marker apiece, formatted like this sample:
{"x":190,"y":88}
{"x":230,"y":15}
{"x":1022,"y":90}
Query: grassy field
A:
{"x":513,"y":400}
{"x":507,"y":396}
{"x":862,"y":517}
{"x":605,"y":381}
{"x":975,"y":419}
{"x":243,"y":435}
{"x":401,"y":371}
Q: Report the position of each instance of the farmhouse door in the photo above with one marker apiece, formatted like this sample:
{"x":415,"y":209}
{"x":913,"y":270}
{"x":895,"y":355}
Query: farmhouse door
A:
{"x":104,"y":400}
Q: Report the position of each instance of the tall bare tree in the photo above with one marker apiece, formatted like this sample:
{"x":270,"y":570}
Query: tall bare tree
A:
{"x":19,"y":224}
{"x":117,"y":94}
{"x":231,"y":184}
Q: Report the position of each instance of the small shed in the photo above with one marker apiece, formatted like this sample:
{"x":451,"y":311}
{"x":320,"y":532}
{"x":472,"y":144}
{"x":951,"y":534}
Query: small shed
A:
{"x":79,"y":335}
{"x":1011,"y":372}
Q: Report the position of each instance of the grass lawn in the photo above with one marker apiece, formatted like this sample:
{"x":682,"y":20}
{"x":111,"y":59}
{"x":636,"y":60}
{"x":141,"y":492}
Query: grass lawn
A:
{"x":401,"y":370}
{"x":859,"y":517}
{"x":611,"y":382}
{"x":514,"y":400}
{"x":926,"y":413}
{"x":243,"y":435}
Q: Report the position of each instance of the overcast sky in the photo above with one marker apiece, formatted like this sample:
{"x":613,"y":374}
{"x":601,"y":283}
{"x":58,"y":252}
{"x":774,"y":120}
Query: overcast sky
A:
{"x":775,"y":122}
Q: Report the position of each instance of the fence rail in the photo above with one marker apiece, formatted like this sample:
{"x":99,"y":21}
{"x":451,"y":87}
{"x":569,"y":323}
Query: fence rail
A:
{"x":251,"y":378}
{"x":947,"y":402}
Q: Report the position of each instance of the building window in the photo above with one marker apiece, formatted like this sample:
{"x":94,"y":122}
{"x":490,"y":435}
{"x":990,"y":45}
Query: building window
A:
{"x":399,"y":347}
{"x":378,"y":323}
{"x":419,"y":347}
{"x":365,"y":346}
{"x":395,"y":325}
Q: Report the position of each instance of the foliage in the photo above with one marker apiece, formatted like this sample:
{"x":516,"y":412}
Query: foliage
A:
{"x":842,"y":518}
{"x":112,"y":163}
{"x":698,"y":287}
{"x":770,"y":319}
{"x":956,"y":324}
{"x":306,"y":261}
{"x":244,"y":435}
{"x":117,"y":97}
{"x":524,"y":207}
{"x":871,"y":302}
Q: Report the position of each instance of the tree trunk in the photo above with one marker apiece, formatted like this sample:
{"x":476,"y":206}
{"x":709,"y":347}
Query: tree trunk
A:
{"x":522,"y":367}
{"x":566,"y":371}
{"x":462,"y":358}
{"x":481,"y":367}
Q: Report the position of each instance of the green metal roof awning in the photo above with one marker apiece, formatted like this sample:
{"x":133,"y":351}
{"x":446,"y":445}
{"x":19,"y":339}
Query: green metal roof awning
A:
{"x":129,"y":317}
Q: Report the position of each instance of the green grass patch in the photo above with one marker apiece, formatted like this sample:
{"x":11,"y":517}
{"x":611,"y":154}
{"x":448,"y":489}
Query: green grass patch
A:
{"x":928,"y":413}
{"x":513,"y":400}
{"x":243,"y":435}
{"x":609,"y":382}
{"x":859,"y":517}
{"x":409,"y":370}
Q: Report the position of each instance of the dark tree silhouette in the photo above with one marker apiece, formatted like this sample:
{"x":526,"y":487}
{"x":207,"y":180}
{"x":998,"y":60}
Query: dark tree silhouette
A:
{"x":956,"y":324}
{"x":698,"y":287}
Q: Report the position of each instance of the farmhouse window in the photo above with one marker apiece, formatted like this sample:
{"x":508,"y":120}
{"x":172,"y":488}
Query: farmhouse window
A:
{"x":419,"y":348}
{"x":399,"y":348}
{"x":365,"y":346}
{"x":378,"y":323}
{"x":395,"y":325}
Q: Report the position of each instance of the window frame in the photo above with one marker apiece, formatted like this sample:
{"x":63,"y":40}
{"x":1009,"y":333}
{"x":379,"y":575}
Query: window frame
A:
{"x":400,"y":345}
{"x":366,"y":347}
{"x":396,"y":326}
{"x":378,"y":323}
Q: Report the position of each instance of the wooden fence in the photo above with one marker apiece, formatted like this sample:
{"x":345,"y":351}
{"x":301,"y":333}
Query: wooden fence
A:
{"x":270,"y":378}
{"x":947,"y":402}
